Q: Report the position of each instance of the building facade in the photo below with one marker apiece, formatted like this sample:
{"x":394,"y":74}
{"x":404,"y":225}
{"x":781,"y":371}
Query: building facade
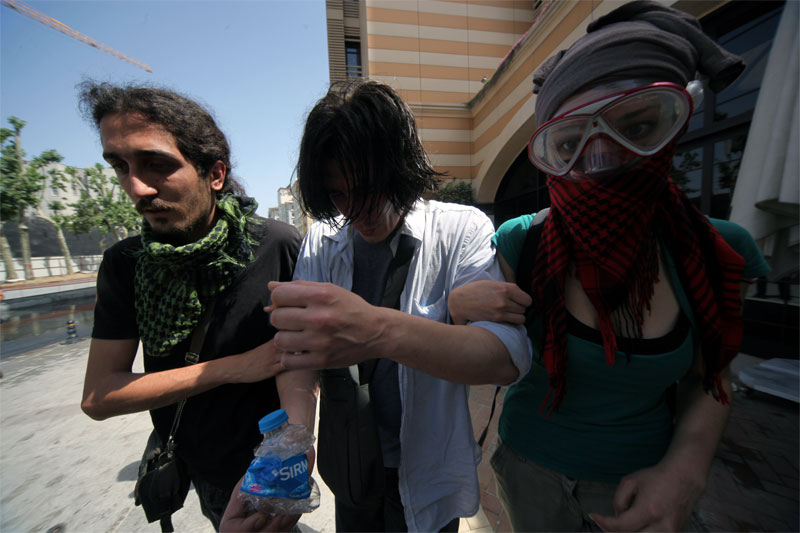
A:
{"x":285,"y":210}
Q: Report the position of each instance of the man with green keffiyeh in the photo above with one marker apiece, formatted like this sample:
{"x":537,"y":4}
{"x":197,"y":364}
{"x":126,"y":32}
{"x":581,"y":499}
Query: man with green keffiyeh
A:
{"x":202,"y":248}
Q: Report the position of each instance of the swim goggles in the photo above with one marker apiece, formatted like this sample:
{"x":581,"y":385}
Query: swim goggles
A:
{"x":641,"y":120}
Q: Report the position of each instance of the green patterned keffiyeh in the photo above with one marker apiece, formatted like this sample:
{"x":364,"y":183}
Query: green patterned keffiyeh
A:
{"x":173,"y":284}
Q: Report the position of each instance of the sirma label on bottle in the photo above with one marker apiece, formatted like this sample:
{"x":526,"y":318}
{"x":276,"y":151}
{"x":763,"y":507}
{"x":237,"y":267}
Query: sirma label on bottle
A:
{"x":269,"y":477}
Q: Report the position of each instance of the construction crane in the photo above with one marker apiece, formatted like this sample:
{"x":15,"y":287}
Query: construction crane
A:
{"x":38,"y":16}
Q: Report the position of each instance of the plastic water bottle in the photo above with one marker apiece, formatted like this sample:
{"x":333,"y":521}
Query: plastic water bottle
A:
{"x":277,"y":480}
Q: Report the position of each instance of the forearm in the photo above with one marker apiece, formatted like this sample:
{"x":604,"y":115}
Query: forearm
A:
{"x":298,"y":393}
{"x":113,"y":389}
{"x":700,"y":424}
{"x":126,"y":392}
{"x":462,"y":354}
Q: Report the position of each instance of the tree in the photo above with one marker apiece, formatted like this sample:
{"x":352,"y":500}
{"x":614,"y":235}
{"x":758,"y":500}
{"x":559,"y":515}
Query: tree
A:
{"x":457,"y":192}
{"x":38,"y":169}
{"x":20,"y":188}
{"x":102,"y":205}
{"x":7,"y":209}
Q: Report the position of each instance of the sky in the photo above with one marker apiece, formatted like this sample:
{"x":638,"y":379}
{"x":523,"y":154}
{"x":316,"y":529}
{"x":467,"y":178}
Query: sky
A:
{"x":258,"y":65}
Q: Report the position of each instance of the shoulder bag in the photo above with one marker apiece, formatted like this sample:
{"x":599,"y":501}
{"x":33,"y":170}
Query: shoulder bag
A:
{"x":163,"y":481}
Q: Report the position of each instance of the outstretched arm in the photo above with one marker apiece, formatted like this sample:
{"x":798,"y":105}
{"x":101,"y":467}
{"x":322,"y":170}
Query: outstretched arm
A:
{"x":111,"y":387}
{"x":324,"y":326}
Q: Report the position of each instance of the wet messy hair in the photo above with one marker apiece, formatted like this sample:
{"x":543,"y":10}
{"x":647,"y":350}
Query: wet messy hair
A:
{"x":366,"y":129}
{"x":197,"y":135}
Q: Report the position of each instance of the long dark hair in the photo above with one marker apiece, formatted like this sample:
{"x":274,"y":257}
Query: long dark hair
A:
{"x":367,"y":130}
{"x":197,"y":135}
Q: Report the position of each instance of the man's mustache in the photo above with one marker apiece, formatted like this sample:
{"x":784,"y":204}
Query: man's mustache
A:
{"x":151,"y":203}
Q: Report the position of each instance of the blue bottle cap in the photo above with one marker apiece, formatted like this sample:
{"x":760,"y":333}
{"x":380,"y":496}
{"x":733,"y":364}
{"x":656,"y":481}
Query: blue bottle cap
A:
{"x":272,"y":420}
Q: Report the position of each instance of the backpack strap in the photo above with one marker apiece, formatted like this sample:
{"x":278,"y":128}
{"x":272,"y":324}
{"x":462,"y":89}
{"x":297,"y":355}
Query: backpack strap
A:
{"x":527,"y":256}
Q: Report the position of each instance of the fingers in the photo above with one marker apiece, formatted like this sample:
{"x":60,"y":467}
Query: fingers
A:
{"x":632,"y":520}
{"x":259,"y":363}
{"x":514,"y":301}
{"x":272,"y":285}
{"x":290,"y":319}
{"x":254,"y":522}
{"x":520,"y":297}
{"x":624,"y":496}
{"x":303,"y":341}
{"x":285,"y":522}
{"x":630,"y":516}
{"x":293,"y":293}
{"x":514,"y":319}
{"x":601,"y":521}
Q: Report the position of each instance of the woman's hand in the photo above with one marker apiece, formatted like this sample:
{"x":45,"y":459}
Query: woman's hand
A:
{"x":492,"y":301}
{"x":659,"y":498}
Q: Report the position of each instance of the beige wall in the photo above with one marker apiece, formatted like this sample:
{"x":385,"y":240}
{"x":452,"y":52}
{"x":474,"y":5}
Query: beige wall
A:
{"x":436,"y":54}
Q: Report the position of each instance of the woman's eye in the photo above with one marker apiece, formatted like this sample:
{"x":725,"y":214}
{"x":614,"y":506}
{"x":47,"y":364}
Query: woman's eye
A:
{"x":638,"y":130}
{"x":566,"y":146}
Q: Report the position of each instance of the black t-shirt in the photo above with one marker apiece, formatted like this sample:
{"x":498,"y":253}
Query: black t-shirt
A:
{"x":219,"y":428}
{"x":371,"y":263}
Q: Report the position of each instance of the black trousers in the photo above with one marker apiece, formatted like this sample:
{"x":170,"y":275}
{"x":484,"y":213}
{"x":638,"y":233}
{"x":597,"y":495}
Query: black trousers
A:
{"x":385,"y":516}
{"x":213,"y":499}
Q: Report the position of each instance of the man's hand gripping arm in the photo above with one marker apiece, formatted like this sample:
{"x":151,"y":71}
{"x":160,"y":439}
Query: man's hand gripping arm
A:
{"x":324,"y":326}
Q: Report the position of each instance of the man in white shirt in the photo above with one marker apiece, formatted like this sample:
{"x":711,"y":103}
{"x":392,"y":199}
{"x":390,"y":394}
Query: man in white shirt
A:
{"x":362,"y":173}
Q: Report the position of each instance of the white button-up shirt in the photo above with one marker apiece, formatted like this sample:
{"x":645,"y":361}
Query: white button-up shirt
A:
{"x":437,"y":475}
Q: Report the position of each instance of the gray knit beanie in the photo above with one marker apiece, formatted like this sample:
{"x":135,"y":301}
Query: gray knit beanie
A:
{"x":639,"y":40}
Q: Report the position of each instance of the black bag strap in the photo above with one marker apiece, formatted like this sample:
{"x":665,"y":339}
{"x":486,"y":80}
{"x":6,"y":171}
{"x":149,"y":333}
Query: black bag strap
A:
{"x":527,"y":256}
{"x":485,"y":431}
{"x":192,"y":357}
{"x":524,"y":277}
{"x":395,"y":283}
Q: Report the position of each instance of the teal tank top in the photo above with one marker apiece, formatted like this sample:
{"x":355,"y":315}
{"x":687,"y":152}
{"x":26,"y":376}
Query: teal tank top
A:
{"x":614,"y":419}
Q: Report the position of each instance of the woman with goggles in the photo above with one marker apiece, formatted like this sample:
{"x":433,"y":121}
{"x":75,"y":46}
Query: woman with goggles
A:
{"x":631,"y":296}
